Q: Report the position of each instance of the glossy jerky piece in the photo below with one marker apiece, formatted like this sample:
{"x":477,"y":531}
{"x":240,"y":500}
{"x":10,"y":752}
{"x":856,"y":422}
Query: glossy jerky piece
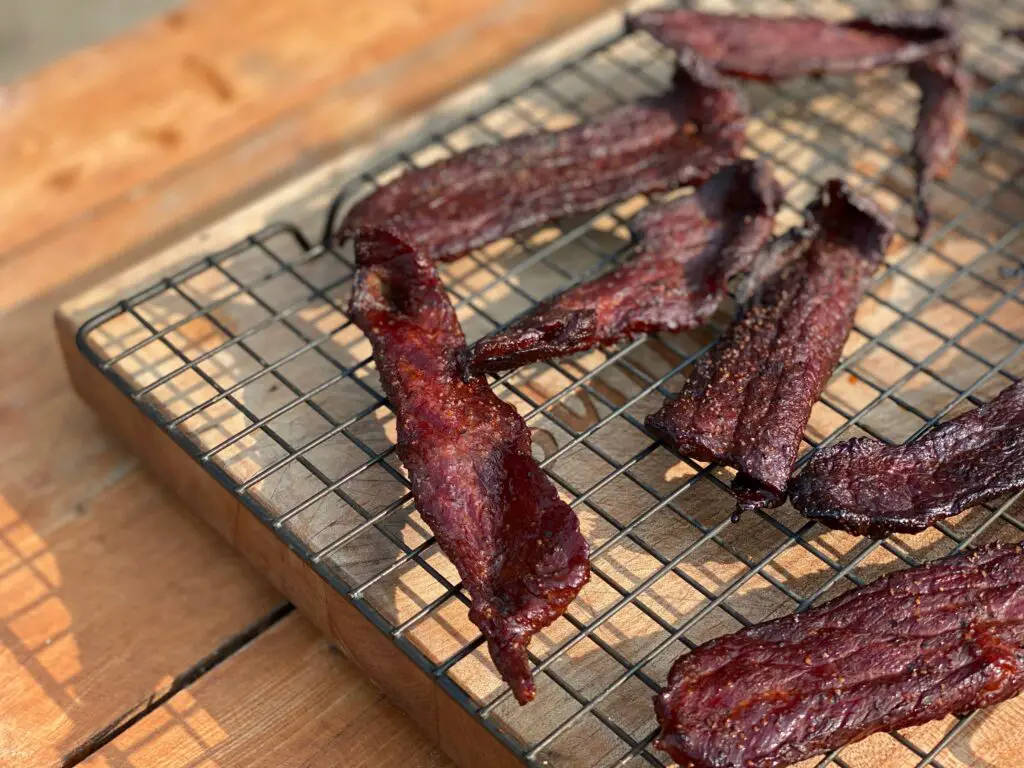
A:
{"x":489,"y":192}
{"x":915,"y":646}
{"x":766,"y":48}
{"x":689,"y":248}
{"x":748,"y":401}
{"x":941,"y":124}
{"x":495,"y":514}
{"x":867,"y":487}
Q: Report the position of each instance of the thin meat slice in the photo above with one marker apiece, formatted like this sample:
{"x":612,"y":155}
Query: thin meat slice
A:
{"x":915,"y":646}
{"x":941,"y":124}
{"x":766,"y":48}
{"x":489,"y":192}
{"x":749,"y":399}
{"x":495,"y":514}
{"x":869,"y":488}
{"x":689,"y":248}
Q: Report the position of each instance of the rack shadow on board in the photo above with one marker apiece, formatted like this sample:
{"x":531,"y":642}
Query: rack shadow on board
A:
{"x":247,"y":360}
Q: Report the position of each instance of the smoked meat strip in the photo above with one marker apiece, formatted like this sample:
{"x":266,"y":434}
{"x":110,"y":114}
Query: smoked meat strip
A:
{"x":941,"y":125}
{"x":489,"y":192}
{"x":688,"y":250}
{"x":748,"y":401}
{"x":495,"y":514}
{"x":869,"y":488}
{"x":917,"y":645}
{"x":766,"y":48}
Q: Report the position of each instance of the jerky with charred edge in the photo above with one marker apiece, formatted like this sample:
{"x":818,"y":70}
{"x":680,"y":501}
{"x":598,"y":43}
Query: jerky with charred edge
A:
{"x":515,"y":543}
{"x":748,"y":401}
{"x":764,"y":48}
{"x":941,"y":124}
{"x":914,"y":646}
{"x":489,"y":192}
{"x":869,"y":488}
{"x":689,"y":248}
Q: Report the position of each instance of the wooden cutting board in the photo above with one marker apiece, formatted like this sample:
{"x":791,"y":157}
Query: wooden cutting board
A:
{"x":666,"y":557}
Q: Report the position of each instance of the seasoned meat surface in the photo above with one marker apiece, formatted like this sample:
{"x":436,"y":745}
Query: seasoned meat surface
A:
{"x":920,"y":644}
{"x":869,"y":488}
{"x":495,"y":514}
{"x":688,"y":250}
{"x":766,"y":48}
{"x":748,"y":401}
{"x":489,"y":192}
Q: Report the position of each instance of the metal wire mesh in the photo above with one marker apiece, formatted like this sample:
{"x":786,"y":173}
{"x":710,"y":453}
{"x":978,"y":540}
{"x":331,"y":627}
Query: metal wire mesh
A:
{"x":247,"y":360}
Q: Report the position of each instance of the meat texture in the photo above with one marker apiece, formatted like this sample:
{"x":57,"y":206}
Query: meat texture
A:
{"x":869,"y":488}
{"x":689,"y":248}
{"x":489,"y":192}
{"x":941,"y":124}
{"x":920,"y":644}
{"x":749,"y":399}
{"x":766,"y":48}
{"x":495,"y":514}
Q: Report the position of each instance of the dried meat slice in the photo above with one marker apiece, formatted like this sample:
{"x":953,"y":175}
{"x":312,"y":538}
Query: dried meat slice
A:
{"x":869,"y":488}
{"x":765,"y":48}
{"x":495,"y":514}
{"x":749,"y":399}
{"x":488,"y":192}
{"x":941,"y":124}
{"x":689,"y":249}
{"x":915,"y":646}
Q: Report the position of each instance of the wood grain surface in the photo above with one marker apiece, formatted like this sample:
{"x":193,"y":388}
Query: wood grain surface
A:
{"x":963,"y":324}
{"x":236,"y":96}
{"x":288,"y":698}
{"x":108,"y":590}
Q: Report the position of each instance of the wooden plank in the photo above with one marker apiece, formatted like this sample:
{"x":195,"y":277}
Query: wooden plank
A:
{"x":288,"y":698}
{"x":99,"y":160}
{"x":107,"y":590}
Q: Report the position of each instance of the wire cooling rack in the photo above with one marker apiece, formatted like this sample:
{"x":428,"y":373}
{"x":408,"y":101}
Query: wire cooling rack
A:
{"x":247,"y":359}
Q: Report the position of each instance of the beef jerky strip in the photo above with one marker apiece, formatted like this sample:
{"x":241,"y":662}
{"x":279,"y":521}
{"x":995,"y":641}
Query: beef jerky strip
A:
{"x":495,"y":514}
{"x":689,"y":248}
{"x":763,"y":48}
{"x":748,"y":400}
{"x":941,"y":124}
{"x":915,"y":646}
{"x":1017,"y":33}
{"x":869,"y":488}
{"x":489,"y":192}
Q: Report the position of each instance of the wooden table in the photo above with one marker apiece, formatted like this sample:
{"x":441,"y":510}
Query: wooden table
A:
{"x":131,"y":635}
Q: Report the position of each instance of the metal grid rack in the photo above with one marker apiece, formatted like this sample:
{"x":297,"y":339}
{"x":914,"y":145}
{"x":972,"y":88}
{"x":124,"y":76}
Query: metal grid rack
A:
{"x":946,"y":322}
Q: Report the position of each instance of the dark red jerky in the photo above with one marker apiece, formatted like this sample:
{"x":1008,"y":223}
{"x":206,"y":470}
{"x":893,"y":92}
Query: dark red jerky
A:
{"x":488,"y":192}
{"x":1016,"y":32}
{"x":689,"y":248}
{"x":495,"y":514}
{"x":749,"y":399}
{"x":765,"y":48}
{"x":869,"y":488}
{"x":915,"y":646}
{"x":941,"y":124}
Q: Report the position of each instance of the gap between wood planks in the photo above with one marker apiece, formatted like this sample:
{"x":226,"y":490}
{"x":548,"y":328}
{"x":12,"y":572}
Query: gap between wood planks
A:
{"x":182,"y":681}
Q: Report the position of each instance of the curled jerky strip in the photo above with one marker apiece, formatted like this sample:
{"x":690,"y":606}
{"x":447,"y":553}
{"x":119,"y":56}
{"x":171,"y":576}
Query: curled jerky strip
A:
{"x":688,"y":250}
{"x":941,"y":124}
{"x":765,"y":48}
{"x":867,"y":487}
{"x":495,"y":514}
{"x":748,"y":401}
{"x":489,"y":192}
{"x":921,"y":644}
